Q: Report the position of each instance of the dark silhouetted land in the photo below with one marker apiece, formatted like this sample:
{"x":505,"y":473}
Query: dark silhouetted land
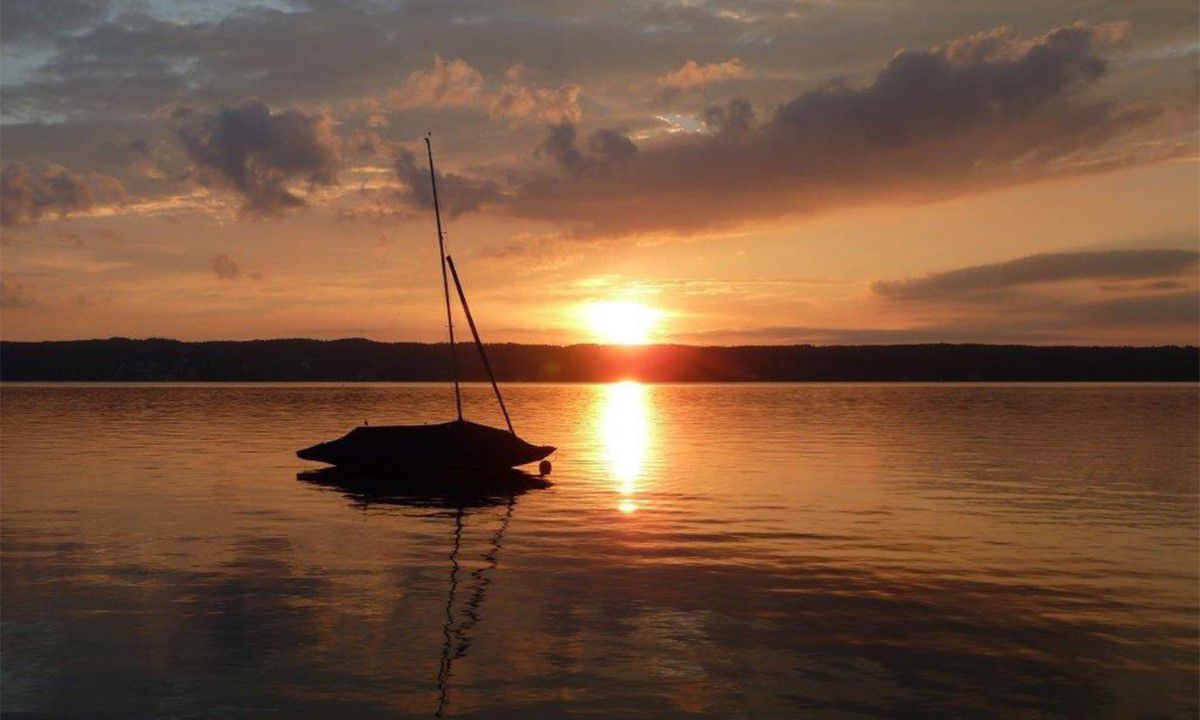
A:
{"x":120,"y":359}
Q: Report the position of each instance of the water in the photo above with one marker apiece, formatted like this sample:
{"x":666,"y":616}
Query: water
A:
{"x":826,"y":551}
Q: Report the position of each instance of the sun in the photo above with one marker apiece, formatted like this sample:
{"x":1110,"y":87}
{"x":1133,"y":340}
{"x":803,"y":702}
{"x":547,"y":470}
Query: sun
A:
{"x":621,"y":322}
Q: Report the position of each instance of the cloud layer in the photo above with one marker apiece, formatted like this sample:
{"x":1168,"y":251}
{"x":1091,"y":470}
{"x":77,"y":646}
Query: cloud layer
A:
{"x":1043,"y":268}
{"x":984,"y":110}
{"x":1052,"y":295}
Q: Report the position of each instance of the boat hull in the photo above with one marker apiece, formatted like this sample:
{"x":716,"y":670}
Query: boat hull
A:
{"x":454,"y":445}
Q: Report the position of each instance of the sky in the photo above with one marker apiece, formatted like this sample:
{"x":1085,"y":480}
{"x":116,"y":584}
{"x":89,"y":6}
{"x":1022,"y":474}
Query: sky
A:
{"x":754,"y":172}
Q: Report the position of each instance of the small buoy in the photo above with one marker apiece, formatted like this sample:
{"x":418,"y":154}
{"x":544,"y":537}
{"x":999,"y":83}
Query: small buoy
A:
{"x":544,"y":467}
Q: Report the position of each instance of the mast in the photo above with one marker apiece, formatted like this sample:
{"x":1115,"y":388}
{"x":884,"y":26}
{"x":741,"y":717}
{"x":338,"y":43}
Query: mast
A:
{"x":479,"y":343}
{"x":437,"y":213}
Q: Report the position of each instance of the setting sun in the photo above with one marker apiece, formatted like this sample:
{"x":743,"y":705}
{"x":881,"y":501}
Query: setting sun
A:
{"x":621,"y":322}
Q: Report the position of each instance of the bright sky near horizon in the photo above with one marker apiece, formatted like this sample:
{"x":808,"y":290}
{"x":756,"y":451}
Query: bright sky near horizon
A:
{"x":784,"y":171}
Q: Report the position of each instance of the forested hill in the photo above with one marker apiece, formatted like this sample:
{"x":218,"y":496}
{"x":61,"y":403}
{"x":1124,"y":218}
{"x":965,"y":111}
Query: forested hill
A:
{"x":364,"y":360}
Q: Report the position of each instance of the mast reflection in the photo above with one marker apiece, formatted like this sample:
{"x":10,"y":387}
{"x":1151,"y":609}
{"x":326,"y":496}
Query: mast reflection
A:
{"x":625,"y":433}
{"x":464,"y":494}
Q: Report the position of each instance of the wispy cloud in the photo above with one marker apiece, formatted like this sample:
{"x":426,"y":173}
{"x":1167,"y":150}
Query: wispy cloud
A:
{"x":1043,"y":268}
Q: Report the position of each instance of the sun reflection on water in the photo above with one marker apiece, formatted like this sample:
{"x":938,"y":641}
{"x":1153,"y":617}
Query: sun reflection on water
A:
{"x":625,"y":432}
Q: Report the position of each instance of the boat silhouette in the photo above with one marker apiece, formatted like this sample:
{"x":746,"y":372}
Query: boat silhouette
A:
{"x":459,"y":443}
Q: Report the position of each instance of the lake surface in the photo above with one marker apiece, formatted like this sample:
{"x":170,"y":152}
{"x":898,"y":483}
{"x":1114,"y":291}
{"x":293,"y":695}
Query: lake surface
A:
{"x":823,"y":551}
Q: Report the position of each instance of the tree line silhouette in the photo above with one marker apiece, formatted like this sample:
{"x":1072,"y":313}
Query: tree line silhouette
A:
{"x":120,"y":359}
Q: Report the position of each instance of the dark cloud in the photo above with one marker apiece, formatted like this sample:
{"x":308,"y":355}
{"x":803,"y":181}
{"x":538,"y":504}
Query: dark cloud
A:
{"x":984,"y":110}
{"x":262,"y":154}
{"x":1043,"y":268}
{"x":457,"y":194}
{"x":27,"y":193}
{"x":737,"y":116}
{"x":607,"y":150}
{"x":225,"y":268}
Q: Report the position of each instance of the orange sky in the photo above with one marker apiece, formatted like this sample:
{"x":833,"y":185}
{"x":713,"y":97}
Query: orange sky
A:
{"x":754,"y":173}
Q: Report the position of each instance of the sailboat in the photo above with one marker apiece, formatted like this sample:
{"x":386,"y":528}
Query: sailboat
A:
{"x":456,"y":444}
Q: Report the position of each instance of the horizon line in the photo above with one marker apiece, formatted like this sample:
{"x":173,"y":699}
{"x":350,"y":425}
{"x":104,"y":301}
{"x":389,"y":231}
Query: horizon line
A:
{"x":617,"y":346}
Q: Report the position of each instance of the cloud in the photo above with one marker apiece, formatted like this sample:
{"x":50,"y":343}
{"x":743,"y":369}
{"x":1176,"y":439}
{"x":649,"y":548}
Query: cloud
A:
{"x":363,"y":142}
{"x":1158,"y":318}
{"x":693,"y":74}
{"x":982,"y":111}
{"x":25,"y":19}
{"x":455,"y":84}
{"x":548,"y":105}
{"x":457,"y":194}
{"x":15,"y":295}
{"x":28,"y":193}
{"x":736,"y":117}
{"x":1043,"y":268}
{"x":262,"y":154}
{"x":606,"y":151}
{"x":446,"y":84}
{"x":1039,"y":297}
{"x":225,"y":268}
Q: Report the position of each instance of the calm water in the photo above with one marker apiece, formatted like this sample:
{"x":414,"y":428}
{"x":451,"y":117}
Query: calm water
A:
{"x":824,"y":551}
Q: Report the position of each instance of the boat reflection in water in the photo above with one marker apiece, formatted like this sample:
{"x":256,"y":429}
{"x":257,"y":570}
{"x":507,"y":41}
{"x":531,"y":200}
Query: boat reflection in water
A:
{"x":462,"y":496}
{"x":625,"y":433}
{"x":453,"y":489}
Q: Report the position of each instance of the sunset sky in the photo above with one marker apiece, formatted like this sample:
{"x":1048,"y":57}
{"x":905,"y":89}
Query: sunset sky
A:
{"x":758,"y":172}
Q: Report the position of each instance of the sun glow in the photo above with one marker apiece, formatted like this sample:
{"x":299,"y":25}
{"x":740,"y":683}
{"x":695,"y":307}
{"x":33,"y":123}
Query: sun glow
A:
{"x":621,"y":322}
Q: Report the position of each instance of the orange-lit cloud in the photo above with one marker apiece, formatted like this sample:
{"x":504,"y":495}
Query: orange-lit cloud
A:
{"x":1043,"y":269}
{"x":455,"y":84}
{"x":693,"y":74}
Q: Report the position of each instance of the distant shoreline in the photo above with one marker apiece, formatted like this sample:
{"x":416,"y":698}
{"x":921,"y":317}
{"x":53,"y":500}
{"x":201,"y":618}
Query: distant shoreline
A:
{"x":360,"y":360}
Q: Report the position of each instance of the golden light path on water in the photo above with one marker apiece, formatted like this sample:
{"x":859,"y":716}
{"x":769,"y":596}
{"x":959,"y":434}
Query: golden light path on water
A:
{"x":624,"y":429}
